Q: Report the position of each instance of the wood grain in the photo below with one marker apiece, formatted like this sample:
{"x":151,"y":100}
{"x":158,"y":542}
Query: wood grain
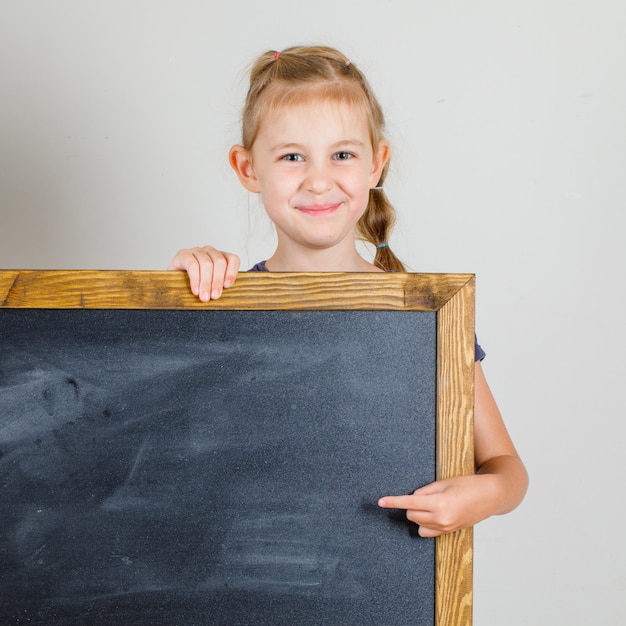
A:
{"x":113,"y":289}
{"x":455,"y":449}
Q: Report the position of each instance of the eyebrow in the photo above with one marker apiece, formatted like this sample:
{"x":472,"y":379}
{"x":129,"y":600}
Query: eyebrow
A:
{"x":335,"y":146}
{"x":349,"y":142}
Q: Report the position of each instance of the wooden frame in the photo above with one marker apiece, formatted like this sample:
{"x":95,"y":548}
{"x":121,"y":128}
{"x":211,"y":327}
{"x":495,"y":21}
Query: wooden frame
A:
{"x":451,"y":296}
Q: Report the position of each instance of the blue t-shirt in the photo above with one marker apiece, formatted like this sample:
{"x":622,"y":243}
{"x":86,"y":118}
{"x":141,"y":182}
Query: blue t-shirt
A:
{"x":479,"y":353}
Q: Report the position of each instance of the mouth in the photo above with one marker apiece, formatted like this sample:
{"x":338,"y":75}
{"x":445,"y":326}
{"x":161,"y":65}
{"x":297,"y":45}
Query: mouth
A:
{"x":319,"y":210}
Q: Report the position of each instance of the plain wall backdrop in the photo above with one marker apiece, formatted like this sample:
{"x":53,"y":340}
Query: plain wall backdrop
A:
{"x":508,"y":127}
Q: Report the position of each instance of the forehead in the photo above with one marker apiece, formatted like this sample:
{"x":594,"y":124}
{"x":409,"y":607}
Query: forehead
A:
{"x":317,"y":119}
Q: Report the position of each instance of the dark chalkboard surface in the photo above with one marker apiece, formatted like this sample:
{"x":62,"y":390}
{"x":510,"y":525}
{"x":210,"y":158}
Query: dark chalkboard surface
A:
{"x":215,"y":467}
{"x":222,"y":464}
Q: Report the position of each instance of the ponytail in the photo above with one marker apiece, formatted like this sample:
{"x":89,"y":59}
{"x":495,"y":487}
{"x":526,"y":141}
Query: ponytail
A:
{"x":375,"y":227}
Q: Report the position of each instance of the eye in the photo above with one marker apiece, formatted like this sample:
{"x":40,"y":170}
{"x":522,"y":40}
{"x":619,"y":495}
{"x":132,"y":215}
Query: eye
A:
{"x":343,"y":156}
{"x":292,"y":157}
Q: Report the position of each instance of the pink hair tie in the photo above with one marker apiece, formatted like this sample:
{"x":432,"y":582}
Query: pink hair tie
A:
{"x":277,"y":55}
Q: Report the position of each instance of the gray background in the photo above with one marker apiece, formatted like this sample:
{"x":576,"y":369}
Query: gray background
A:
{"x":507,"y":122}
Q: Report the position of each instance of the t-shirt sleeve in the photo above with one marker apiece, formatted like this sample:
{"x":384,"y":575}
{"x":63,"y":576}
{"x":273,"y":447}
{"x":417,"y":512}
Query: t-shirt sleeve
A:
{"x":258,"y":267}
{"x":479,"y":353}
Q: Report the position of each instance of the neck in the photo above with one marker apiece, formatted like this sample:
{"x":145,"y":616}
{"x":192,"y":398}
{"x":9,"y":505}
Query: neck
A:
{"x":323,"y":260}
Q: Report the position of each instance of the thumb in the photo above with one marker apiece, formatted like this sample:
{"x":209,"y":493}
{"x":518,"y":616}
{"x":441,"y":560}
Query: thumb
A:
{"x":431,"y":489}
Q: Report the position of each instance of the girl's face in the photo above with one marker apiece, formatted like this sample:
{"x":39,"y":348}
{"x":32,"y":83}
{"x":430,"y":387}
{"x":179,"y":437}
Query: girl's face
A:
{"x":314,"y":165}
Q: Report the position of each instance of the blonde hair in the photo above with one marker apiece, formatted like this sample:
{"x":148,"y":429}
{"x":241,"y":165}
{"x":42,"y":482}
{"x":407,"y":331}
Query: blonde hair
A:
{"x":279,"y":79}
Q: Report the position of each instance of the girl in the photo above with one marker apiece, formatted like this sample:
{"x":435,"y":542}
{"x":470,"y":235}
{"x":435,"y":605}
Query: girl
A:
{"x":313,"y":147}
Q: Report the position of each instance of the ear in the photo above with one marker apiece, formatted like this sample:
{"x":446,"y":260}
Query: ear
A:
{"x":381,"y":156}
{"x":239,"y":159}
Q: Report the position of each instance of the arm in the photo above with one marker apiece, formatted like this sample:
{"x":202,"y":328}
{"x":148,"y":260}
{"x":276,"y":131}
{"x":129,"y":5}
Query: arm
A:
{"x":494,"y":452}
{"x":209,"y":270}
{"x":498,"y":486}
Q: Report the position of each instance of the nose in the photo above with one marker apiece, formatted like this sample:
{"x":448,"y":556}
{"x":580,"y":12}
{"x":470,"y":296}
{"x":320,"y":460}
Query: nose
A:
{"x":318,"y":178}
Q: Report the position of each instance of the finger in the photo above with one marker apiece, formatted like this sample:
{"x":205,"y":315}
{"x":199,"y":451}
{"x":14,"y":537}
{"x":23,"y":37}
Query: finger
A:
{"x":423,"y":531}
{"x":412,"y":502}
{"x":206,"y":268}
{"x":186,"y":260}
{"x":431,"y":489}
{"x":232,"y":269}
{"x":420,"y":518}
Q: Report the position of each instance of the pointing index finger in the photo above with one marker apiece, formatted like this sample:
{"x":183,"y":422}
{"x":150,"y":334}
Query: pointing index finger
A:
{"x":400,"y":502}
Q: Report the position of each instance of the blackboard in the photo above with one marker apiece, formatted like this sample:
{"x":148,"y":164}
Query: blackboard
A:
{"x":218,"y":464}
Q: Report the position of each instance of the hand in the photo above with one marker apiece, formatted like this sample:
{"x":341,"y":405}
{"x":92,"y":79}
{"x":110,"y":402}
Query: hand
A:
{"x":209,"y":270}
{"x":449,"y":505}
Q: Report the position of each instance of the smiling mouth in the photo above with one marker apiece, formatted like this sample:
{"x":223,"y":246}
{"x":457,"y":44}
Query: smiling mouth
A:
{"x":319,"y":210}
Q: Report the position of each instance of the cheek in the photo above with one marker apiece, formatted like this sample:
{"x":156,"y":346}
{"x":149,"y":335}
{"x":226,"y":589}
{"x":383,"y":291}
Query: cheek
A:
{"x":277,"y":188}
{"x":360,"y":192}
